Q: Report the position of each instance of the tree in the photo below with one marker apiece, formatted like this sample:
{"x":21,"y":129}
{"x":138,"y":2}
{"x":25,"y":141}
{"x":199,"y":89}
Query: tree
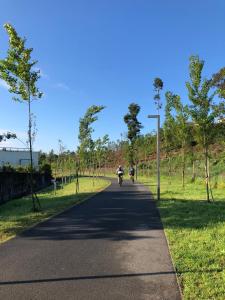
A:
{"x":61,"y":161}
{"x":101,"y":150}
{"x":204,"y":111}
{"x":218,"y":81}
{"x":87,"y":144}
{"x":169,"y":129}
{"x":17,"y":70}
{"x":158,"y":86}
{"x":181,"y":127}
{"x":134,"y":128}
{"x":7,"y":136}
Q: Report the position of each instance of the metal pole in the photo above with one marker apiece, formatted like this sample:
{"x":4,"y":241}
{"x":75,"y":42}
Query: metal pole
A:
{"x":158,"y":158}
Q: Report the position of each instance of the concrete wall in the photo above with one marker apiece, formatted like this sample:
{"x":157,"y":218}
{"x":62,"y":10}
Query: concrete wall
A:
{"x":17,"y":158}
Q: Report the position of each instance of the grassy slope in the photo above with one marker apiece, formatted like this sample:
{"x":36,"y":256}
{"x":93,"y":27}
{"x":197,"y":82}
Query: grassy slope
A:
{"x":17,"y":215}
{"x":196,"y":233}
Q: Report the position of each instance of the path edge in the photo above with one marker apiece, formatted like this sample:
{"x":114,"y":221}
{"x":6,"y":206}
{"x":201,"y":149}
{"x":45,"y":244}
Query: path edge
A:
{"x":79,"y":202}
{"x":167,"y":242}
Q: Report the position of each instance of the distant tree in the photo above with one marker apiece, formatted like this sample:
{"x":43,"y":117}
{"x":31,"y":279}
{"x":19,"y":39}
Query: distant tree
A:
{"x":169,"y":125}
{"x":52,"y":156}
{"x":61,"y":161}
{"x":17,"y":70}
{"x":134,"y":128}
{"x":42,"y":158}
{"x":182,"y":127}
{"x":158,"y":86}
{"x":101,"y":146}
{"x":218,"y":81}
{"x":204,"y":112}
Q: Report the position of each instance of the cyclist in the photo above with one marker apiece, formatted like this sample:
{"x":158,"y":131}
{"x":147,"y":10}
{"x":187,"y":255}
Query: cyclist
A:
{"x":119,"y":173}
{"x":131,"y":173}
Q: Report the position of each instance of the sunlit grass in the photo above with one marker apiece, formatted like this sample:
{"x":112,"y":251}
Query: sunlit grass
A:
{"x":17,"y":215}
{"x":195,"y":231}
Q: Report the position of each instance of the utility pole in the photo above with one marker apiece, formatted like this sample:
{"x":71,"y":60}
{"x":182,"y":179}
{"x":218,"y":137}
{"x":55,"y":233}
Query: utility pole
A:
{"x":158,"y":153}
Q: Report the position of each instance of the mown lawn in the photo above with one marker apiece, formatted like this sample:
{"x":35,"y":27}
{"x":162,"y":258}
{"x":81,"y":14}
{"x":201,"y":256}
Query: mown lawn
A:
{"x":195,"y":231}
{"x":16,"y":215}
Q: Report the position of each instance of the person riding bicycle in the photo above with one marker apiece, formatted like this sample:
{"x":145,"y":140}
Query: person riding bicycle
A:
{"x":119,"y":173}
{"x":131,"y":173}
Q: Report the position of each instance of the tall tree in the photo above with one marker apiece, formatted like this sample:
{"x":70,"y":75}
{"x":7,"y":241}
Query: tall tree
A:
{"x":17,"y":69}
{"x":204,"y":111}
{"x":134,"y":128}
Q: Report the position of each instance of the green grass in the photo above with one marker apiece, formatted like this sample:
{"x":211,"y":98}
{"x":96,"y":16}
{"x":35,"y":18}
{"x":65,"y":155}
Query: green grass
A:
{"x":16,"y":215}
{"x":195,"y":231}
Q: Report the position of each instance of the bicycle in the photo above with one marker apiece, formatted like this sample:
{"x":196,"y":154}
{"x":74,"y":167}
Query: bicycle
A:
{"x":120,"y":179}
{"x":132,"y":178}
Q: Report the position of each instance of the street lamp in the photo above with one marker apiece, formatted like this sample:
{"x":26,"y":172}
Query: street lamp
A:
{"x":158,"y":153}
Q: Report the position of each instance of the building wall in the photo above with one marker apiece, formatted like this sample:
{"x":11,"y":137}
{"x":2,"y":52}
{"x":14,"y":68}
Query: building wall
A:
{"x":17,"y":158}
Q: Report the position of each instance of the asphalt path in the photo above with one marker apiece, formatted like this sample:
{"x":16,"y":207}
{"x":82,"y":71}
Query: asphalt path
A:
{"x":110,"y":247}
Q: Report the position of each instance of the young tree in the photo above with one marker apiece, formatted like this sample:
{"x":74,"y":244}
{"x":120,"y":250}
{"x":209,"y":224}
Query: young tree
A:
{"x":181,"y":126}
{"x":134,"y":128}
{"x":101,"y":146}
{"x":204,"y":111}
{"x":87,"y":144}
{"x":17,"y":69}
{"x":168,"y":130}
{"x":158,"y":86}
{"x":61,"y":161}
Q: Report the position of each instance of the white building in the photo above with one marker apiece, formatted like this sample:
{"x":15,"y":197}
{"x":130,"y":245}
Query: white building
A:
{"x":17,"y":157}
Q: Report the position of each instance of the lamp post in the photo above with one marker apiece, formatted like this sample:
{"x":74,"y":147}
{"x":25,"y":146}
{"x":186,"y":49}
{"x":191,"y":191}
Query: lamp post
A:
{"x":158,"y":153}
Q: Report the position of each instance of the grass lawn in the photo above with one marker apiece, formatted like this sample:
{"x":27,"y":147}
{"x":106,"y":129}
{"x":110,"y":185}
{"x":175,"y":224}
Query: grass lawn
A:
{"x":195,"y":231}
{"x":16,"y":215}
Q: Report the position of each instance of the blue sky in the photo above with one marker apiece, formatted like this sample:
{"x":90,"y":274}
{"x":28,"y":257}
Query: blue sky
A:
{"x":106,"y":52}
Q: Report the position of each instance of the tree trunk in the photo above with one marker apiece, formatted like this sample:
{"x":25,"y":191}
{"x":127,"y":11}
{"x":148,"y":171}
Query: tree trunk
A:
{"x":170,"y":170}
{"x":104,"y":167}
{"x":183,"y":167}
{"x":193,"y":171}
{"x":210,"y":188}
{"x":77,"y":180}
{"x":31,"y":158}
{"x":193,"y":165}
{"x":99,"y":168}
{"x":206,"y":173}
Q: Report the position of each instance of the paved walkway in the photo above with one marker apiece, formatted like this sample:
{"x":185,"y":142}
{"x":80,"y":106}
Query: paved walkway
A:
{"x":110,"y":247}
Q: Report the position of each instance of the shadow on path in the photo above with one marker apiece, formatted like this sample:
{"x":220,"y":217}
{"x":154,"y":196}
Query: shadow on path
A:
{"x":115,"y":215}
{"x":82,"y":278}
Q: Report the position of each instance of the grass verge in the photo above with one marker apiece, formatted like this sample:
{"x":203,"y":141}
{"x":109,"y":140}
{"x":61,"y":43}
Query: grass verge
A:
{"x":195,"y":231}
{"x":16,"y":215}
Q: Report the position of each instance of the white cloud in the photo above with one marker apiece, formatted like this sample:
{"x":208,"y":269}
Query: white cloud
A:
{"x":3,"y":84}
{"x":62,"y":86}
{"x":43,"y":75}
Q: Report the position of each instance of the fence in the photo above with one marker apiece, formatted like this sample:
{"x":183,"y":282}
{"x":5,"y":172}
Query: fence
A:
{"x":15,"y":184}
